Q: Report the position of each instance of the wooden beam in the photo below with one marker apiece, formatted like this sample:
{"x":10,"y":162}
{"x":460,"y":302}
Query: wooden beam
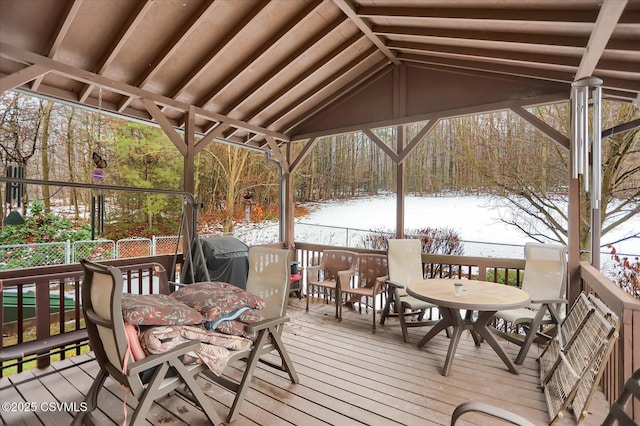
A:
{"x":166,"y":126}
{"x":277,"y":153}
{"x":259,"y":52}
{"x":386,"y":148}
{"x":323,"y":85}
{"x":417,"y":139}
{"x":18,"y":78}
{"x":305,"y":75}
{"x":610,"y":13}
{"x":541,"y":125}
{"x":123,"y":37}
{"x":352,"y":89}
{"x":621,"y":128}
{"x":566,"y":15}
{"x":474,"y":109}
{"x":78,"y":74}
{"x":210,"y":136}
{"x":315,"y":40}
{"x":306,"y":149}
{"x":204,"y":64}
{"x":351,"y":13}
{"x":61,"y":33}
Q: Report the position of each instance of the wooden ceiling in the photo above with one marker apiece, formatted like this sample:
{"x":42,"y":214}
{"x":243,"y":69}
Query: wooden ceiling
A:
{"x":250,"y":71}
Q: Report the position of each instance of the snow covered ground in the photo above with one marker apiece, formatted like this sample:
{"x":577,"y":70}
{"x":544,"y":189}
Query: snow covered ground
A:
{"x":474,"y":218}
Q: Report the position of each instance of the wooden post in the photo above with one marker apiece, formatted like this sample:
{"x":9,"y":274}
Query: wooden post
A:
{"x":289,"y":203}
{"x":399,"y":110}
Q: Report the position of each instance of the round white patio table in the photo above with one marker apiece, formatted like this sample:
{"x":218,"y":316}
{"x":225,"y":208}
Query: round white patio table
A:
{"x":485,"y":297}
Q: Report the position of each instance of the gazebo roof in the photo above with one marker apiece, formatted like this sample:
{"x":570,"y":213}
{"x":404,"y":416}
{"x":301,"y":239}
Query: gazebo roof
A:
{"x":286,"y":70}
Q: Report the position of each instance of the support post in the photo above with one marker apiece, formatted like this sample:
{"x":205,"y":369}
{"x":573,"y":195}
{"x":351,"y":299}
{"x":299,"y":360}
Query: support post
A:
{"x":189,"y":183}
{"x":289,"y":202}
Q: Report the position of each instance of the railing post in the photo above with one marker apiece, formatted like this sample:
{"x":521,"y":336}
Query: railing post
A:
{"x":43,"y":316}
{"x":67,"y":252}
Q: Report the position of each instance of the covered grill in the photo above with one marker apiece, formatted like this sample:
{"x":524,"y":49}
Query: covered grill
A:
{"x":226,"y":259}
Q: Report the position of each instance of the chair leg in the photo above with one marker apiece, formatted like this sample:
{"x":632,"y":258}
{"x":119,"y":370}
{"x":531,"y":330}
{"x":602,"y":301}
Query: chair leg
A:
{"x":386,"y":310}
{"x":403,"y":324}
{"x":374,"y":312}
{"x":287,"y":365}
{"x":149,"y":395}
{"x":531,"y":335}
{"x":243,"y":386}
{"x":197,"y":392}
{"x":92,"y":397}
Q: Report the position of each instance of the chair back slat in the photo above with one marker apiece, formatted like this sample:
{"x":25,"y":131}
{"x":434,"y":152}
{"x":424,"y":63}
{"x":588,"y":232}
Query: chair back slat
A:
{"x":336,"y":260}
{"x":405,"y":261}
{"x":269,"y":274}
{"x":101,"y":302}
{"x":370,"y":268}
{"x":545,"y":271}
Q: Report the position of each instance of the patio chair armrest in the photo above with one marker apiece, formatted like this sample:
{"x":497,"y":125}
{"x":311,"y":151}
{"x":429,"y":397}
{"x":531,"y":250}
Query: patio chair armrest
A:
{"x":488,"y":410}
{"x":344,"y":278}
{"x":312,"y":273}
{"x":393,"y":284}
{"x":157,"y":359}
{"x":548,"y":301}
{"x":266,"y":323}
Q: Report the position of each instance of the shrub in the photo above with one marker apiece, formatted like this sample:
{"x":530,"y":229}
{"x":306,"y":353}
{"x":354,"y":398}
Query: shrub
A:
{"x":626,"y":273}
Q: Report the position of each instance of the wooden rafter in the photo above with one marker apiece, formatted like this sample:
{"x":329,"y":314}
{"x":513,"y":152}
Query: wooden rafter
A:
{"x":323,"y":85}
{"x":327,"y":59}
{"x":495,"y":14}
{"x":223,"y":44}
{"x":25,"y":75}
{"x":61,"y":33}
{"x":608,"y":17}
{"x":365,"y":79}
{"x":348,"y":10}
{"x":480,"y":54}
{"x":315,"y":40}
{"x":264,"y":49}
{"x":121,"y":40}
{"x":11,"y":52}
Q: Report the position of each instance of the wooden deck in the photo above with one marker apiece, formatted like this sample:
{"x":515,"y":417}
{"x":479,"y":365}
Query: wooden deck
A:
{"x":349,"y":376}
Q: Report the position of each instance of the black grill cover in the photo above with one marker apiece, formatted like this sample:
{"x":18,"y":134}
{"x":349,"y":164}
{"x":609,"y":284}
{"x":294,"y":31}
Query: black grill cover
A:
{"x":227,"y":260}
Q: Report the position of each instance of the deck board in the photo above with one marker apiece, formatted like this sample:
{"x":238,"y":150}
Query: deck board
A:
{"x":348,"y":376}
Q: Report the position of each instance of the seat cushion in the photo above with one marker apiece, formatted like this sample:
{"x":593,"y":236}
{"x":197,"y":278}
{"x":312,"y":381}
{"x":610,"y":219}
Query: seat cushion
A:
{"x":520,"y":316}
{"x":214,"y":299}
{"x":416,"y":304}
{"x":157,"y":309}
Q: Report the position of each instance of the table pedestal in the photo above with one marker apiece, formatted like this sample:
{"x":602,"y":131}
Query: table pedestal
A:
{"x":452,"y":318}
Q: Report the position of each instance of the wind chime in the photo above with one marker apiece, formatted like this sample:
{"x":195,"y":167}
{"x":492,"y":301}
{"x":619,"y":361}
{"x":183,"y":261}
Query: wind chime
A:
{"x":97,"y":200}
{"x":14,"y":194}
{"x":586,"y":149}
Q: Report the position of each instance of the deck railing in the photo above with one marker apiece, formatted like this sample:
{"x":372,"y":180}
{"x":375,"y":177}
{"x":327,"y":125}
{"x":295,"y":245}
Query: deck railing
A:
{"x":34,"y":337}
{"x":624,"y":360}
{"x":625,"y":357}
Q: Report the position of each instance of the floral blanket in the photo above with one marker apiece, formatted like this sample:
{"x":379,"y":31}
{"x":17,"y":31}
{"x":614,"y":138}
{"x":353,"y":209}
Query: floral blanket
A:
{"x":214,"y":351}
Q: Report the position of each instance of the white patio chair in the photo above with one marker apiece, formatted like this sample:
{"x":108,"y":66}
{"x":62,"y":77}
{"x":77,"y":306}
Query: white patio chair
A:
{"x":269,"y":273}
{"x":405,"y":267}
{"x":545,"y":278}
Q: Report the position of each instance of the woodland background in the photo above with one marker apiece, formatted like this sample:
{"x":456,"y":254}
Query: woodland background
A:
{"x":495,"y":153}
